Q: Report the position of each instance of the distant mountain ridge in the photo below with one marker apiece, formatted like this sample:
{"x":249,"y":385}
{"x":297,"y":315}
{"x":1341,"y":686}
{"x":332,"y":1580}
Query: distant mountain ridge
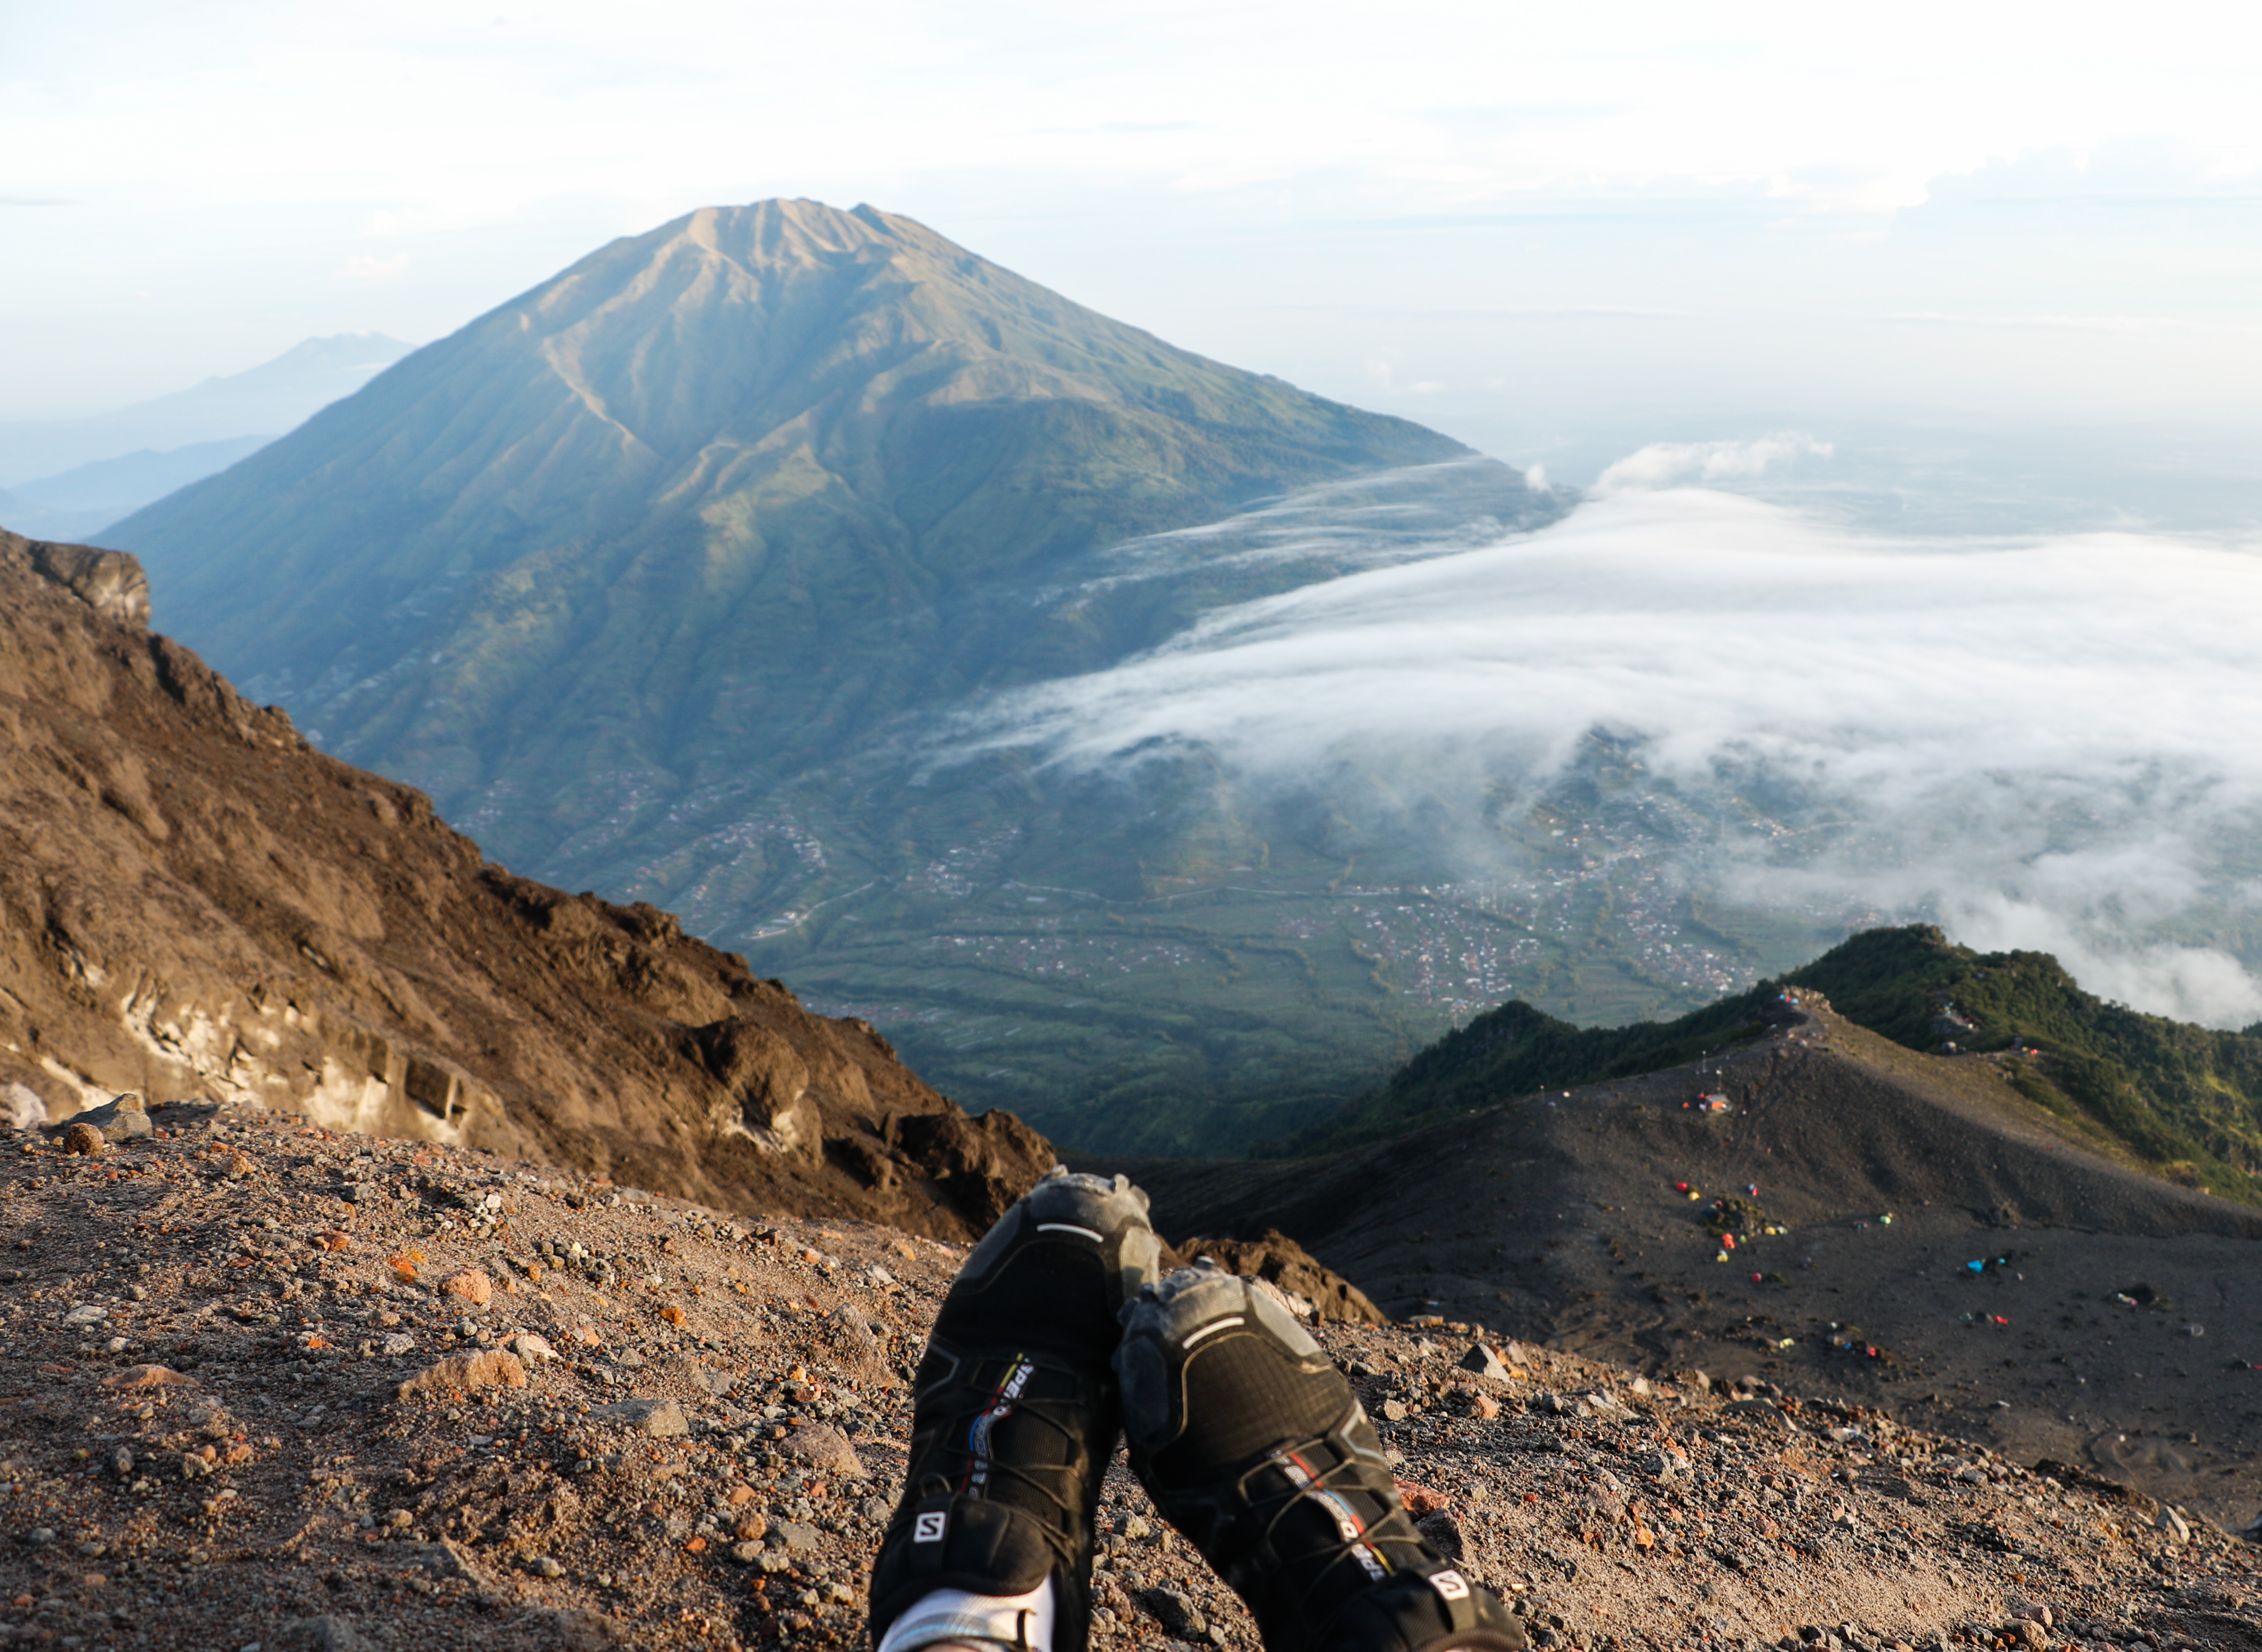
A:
{"x":668,"y":575}
{"x":262,"y":400}
{"x":713,"y":501}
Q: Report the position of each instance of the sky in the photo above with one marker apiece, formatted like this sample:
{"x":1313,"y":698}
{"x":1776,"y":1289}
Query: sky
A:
{"x":1919,"y":238}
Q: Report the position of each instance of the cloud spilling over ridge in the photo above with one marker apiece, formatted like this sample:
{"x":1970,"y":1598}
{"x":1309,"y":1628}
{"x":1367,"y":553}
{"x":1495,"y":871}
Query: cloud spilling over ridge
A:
{"x":2040,"y":741}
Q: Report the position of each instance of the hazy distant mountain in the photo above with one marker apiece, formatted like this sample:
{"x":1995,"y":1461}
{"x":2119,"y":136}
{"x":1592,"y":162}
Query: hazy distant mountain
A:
{"x":273,"y":397}
{"x":86,"y":499}
{"x":659,"y":576}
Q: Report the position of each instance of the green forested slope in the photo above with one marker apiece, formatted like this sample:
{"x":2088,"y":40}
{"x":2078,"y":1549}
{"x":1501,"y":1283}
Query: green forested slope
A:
{"x":2186,"y":1100}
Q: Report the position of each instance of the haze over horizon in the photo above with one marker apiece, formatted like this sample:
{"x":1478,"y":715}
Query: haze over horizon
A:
{"x":1559,"y":239}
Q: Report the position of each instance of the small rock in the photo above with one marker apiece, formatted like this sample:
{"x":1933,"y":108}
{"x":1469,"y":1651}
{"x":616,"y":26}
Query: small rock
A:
{"x":122,"y":1118}
{"x":471,"y":1285}
{"x":84,"y":1138}
{"x":2171,"y":1522}
{"x":40,"y":1536}
{"x":1485,"y":1406}
{"x":1175,"y":1612}
{"x":1393,"y":1411}
{"x":398,"y":1344}
{"x":240,"y":1166}
{"x":852,"y":1331}
{"x":135,"y":1378}
{"x":1445,"y":1536}
{"x":746,"y":1553}
{"x":823,"y":1446}
{"x":1134,"y":1527}
{"x":122,"y":1464}
{"x":662,"y":1418}
{"x":796,"y":1537}
{"x":876,"y":1510}
{"x":493,"y":1368}
{"x":1485,"y":1363}
{"x":530,"y":1348}
{"x":548,"y":1567}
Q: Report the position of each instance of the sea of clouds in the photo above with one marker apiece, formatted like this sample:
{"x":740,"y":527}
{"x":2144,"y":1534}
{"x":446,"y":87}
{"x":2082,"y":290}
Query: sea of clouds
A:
{"x":2042,"y":742}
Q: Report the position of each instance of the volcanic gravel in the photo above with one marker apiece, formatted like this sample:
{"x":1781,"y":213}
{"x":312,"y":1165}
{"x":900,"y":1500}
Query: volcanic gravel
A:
{"x":710,"y":1427}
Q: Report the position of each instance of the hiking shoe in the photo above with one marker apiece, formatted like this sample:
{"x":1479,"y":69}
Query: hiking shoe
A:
{"x":1013,"y":1409}
{"x":1252,"y":1444}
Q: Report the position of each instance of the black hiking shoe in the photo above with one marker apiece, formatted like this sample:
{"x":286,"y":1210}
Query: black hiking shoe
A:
{"x":1252,"y":1444}
{"x":1013,"y":1410}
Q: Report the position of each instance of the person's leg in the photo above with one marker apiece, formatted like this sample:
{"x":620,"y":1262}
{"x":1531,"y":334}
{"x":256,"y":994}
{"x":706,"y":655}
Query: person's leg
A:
{"x":1252,"y":1444}
{"x":1014,"y":1419}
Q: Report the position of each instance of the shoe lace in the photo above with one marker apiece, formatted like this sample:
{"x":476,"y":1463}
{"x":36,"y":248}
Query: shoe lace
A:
{"x":970,"y":1466}
{"x":1353,"y":1538}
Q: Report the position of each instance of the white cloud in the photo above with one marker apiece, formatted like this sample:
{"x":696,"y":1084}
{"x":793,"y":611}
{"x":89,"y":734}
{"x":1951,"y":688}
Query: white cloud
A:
{"x":1663,"y":463}
{"x":2038,"y":741}
{"x":371,"y":269}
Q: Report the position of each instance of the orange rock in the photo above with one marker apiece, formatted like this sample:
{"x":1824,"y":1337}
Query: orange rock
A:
{"x":331,"y":1239}
{"x":1419,"y":1499}
{"x":463,"y":1372}
{"x":741,"y":1495}
{"x":672,"y":1314}
{"x":1486,"y":1407}
{"x":84,"y":1138}
{"x":135,"y":1378}
{"x":471,"y":1285}
{"x":240,"y":1166}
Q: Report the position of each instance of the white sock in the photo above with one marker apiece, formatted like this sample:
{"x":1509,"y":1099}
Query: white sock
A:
{"x":1015,"y":1621}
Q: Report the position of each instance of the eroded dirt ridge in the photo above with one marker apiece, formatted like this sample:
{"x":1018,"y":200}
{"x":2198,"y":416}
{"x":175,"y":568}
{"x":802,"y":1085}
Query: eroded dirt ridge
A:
{"x":194,"y":903}
{"x":482,"y":1402}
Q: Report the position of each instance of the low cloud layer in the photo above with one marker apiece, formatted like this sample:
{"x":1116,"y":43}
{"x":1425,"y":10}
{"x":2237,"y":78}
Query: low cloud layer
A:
{"x":2042,"y":743}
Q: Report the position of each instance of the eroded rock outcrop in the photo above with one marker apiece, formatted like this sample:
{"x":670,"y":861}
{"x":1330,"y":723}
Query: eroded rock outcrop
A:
{"x":194,"y":903}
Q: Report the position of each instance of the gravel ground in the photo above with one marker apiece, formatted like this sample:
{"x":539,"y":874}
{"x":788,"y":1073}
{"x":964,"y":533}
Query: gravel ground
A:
{"x":633,"y":1423}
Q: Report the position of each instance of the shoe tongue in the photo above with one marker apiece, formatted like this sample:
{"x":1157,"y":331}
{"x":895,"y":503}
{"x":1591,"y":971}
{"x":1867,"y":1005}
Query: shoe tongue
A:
{"x":1245,"y":1398}
{"x":1047,"y":1294}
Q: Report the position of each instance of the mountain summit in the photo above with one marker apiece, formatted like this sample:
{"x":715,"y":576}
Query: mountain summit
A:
{"x":713,"y":500}
{"x":671,"y":577}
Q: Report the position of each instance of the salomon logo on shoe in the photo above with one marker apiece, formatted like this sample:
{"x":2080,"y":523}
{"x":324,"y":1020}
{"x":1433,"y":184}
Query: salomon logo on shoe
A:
{"x":1451,"y":1584}
{"x":927,"y":1528}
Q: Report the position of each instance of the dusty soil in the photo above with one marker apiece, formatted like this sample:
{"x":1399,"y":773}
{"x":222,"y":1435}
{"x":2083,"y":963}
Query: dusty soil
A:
{"x":2113,"y":1321}
{"x":706,"y":1461}
{"x":194,"y":903}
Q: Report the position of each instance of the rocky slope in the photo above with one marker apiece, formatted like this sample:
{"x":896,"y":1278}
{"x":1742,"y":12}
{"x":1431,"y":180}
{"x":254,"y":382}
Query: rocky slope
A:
{"x":487,"y":1403}
{"x":1906,"y":1231}
{"x":195,"y":903}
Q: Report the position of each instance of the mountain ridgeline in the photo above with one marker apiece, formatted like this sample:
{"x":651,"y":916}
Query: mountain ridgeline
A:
{"x":2183,"y":1102}
{"x":714,"y":504}
{"x":671,"y":578}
